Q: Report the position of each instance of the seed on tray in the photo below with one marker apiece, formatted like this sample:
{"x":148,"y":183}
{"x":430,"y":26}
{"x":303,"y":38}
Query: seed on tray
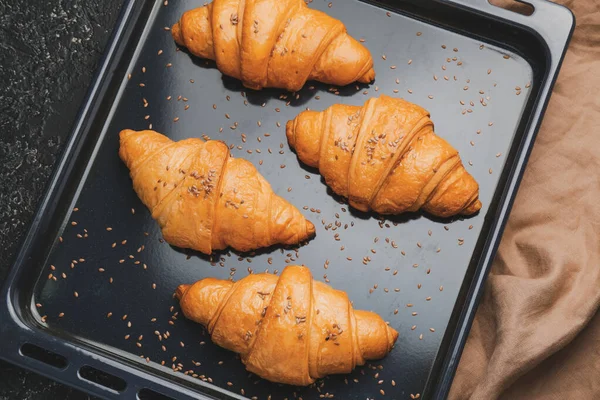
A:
{"x":60,"y":315}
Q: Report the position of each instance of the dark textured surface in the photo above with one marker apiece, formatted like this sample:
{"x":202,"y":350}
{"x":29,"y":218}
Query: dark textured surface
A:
{"x":49,"y":51}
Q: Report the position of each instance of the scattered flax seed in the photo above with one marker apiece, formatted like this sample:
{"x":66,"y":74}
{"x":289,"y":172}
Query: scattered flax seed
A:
{"x":528,"y":85}
{"x":75,"y":294}
{"x":409,"y":61}
{"x":142,"y":85}
{"x":74,"y":223}
{"x":421,"y":336}
{"x":389,"y":14}
{"x":428,"y":298}
{"x":144,"y":70}
{"x":490,"y":123}
{"x":412,"y":328}
{"x":497,"y":155}
{"x":431,"y":329}
{"x":441,"y":288}
{"x":409,"y":91}
{"x":394,"y":67}
{"x":383,"y":57}
{"x":169,"y":65}
{"x":419,"y":33}
{"x":506,"y":56}
{"x":62,"y":314}
{"x":175,"y":119}
{"x":154,"y":286}
{"x":490,"y":171}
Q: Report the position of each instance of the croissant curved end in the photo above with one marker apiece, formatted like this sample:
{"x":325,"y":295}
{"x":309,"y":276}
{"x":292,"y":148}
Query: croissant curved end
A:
{"x":472,"y":208}
{"x":290,"y":132}
{"x":368,"y":77}
{"x":125,"y":133}
{"x":181,"y":290}
{"x":310,"y":229}
{"x":392,"y":337}
{"x":176,"y":33}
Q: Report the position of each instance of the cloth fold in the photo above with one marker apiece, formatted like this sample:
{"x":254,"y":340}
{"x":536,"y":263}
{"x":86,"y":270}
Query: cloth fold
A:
{"x":536,"y":334}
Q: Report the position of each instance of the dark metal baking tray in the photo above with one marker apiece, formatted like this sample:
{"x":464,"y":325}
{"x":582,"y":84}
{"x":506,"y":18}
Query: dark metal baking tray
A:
{"x":504,"y":63}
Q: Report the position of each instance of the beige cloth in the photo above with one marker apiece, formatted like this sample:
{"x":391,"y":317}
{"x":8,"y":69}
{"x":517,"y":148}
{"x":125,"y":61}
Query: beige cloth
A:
{"x":536,"y":334}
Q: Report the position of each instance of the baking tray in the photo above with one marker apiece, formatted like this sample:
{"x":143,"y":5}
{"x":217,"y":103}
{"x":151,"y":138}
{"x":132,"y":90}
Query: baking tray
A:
{"x":59,"y":325}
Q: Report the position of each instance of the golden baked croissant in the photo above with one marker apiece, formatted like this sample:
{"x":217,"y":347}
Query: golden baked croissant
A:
{"x":274,"y":43}
{"x":204,"y":199}
{"x":289,"y":328}
{"x":385,"y":157}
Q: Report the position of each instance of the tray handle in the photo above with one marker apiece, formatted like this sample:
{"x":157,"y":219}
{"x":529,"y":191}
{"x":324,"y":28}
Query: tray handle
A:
{"x":554,"y":22}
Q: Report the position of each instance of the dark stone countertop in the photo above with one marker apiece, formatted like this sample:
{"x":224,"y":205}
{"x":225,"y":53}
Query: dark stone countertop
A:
{"x":49,"y":51}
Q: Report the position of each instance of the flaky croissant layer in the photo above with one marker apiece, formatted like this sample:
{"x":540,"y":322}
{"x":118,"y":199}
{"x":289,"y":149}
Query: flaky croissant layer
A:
{"x":287,"y":329}
{"x":204,"y":199}
{"x":274,"y":43}
{"x":385,"y":157}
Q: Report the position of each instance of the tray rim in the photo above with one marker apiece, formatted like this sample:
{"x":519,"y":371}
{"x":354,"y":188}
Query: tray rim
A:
{"x":15,"y":331}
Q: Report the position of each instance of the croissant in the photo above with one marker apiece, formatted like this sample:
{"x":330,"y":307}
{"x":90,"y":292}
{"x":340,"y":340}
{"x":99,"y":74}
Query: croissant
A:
{"x":274,"y":43}
{"x":204,"y":199}
{"x":289,"y":328}
{"x":385,"y":157}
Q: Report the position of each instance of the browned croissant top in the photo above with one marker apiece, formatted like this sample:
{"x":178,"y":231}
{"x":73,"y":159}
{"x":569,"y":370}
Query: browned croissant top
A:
{"x":289,"y":328}
{"x":206,"y":200}
{"x":385,"y":157}
{"x":274,"y":43}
